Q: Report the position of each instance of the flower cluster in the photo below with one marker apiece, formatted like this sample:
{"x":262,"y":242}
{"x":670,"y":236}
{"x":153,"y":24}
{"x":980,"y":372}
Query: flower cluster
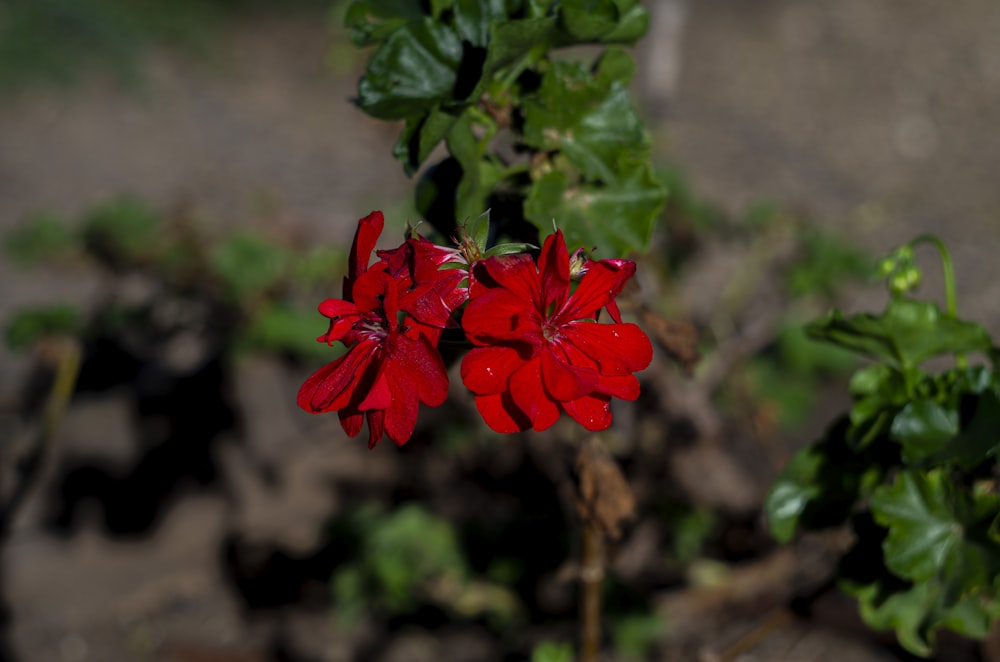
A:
{"x":538,"y":349}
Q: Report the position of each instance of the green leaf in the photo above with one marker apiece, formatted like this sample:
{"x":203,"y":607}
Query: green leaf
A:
{"x":509,"y":249}
{"x":906,"y":334}
{"x":919,"y":610}
{"x":473,"y":19}
{"x":617,"y":218}
{"x":589,"y":20}
{"x":511,"y":41}
{"x":479,"y":230}
{"x":372,"y":21}
{"x":590,"y":119}
{"x":421,"y":134}
{"x":479,"y":175}
{"x":413,"y":71}
{"x":937,"y":529}
{"x":924,"y":426}
{"x":633,"y":21}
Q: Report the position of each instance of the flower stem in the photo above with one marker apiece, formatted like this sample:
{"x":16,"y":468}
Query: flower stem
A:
{"x":591,"y":579}
{"x":947,"y":269}
{"x":950,"y":291}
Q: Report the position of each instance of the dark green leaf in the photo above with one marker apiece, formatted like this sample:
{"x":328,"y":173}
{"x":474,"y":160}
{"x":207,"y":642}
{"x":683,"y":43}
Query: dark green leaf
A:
{"x":372,"y":21}
{"x":906,"y":334}
{"x":924,"y":426}
{"x":413,"y":71}
{"x":938,"y":530}
{"x":474,"y":17}
{"x":589,"y":20}
{"x":421,"y":134}
{"x":513,"y":40}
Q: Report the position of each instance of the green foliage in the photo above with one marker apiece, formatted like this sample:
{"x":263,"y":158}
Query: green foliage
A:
{"x":550,"y":651}
{"x":257,"y":275}
{"x":634,"y":635}
{"x":121,"y":232}
{"x":534,"y":137}
{"x":43,"y":237}
{"x":410,"y":557}
{"x":911,"y":467}
{"x":31,"y":324}
{"x":249,"y":264}
{"x":55,"y":41}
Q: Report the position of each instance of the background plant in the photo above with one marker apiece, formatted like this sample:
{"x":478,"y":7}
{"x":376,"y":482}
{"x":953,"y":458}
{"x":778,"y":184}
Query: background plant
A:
{"x":910,"y":467}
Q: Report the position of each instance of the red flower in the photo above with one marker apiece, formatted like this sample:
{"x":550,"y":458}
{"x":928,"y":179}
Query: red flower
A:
{"x":540,"y":350}
{"x":390,"y":324}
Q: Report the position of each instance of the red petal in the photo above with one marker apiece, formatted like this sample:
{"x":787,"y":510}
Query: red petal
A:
{"x":378,"y":396}
{"x":501,"y":414}
{"x":625,"y":387}
{"x":591,"y":411}
{"x":365,"y":238}
{"x":553,"y":263}
{"x":529,"y":396}
{"x":597,"y":289}
{"x":561,"y":381}
{"x":334,"y":308}
{"x":331,"y":387}
{"x":619,"y":349}
{"x":416,"y":371}
{"x":351,"y":420}
{"x":375,"y":291}
{"x":376,"y":427}
{"x":501,"y":315}
{"x":487,"y":370}
{"x":516,"y":273}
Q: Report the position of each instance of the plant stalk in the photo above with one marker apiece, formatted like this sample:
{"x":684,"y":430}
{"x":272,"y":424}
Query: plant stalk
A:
{"x":591,"y":580}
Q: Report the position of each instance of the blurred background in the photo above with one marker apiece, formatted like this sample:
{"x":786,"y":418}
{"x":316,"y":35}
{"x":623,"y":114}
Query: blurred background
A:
{"x":179,"y":182}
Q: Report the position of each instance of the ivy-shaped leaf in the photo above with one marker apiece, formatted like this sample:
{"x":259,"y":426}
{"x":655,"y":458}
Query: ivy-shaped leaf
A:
{"x":917,"y":612}
{"x":938,"y":530}
{"x":412,"y":72}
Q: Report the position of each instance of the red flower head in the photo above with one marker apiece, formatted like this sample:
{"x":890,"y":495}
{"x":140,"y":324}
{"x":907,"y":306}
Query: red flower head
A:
{"x":540,"y":350}
{"x":390,"y":324}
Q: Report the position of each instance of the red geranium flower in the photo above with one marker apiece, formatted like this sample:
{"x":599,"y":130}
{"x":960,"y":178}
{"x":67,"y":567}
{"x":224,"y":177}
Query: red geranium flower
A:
{"x":540,"y":350}
{"x":391,"y":364}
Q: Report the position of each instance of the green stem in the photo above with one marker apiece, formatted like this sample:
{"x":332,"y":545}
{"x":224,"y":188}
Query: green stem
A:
{"x":950,"y":291}
{"x":947,"y":268}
